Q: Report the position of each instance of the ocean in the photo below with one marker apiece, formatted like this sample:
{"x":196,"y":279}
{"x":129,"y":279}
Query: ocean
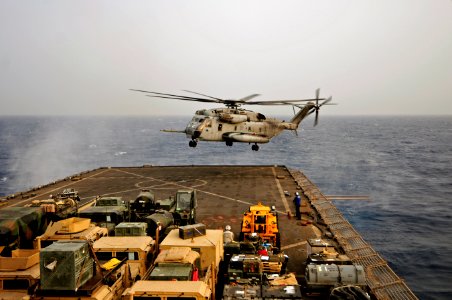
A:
{"x":402,"y":163}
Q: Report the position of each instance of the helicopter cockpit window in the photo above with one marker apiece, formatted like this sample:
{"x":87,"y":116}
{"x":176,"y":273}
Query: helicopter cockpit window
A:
{"x":200,"y":120}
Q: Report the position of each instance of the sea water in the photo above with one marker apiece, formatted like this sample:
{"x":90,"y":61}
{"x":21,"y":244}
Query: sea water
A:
{"x":402,"y":163}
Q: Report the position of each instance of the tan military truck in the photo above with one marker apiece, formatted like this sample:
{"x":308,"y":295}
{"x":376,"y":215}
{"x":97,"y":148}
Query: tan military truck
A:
{"x":70,"y":270}
{"x":139,"y":252}
{"x":19,"y":273}
{"x":166,"y":290}
{"x":209,"y":246}
{"x":188,"y":284}
{"x":70,"y":229}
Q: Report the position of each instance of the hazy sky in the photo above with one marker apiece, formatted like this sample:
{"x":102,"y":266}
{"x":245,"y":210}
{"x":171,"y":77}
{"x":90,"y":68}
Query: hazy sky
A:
{"x":82,"y":57}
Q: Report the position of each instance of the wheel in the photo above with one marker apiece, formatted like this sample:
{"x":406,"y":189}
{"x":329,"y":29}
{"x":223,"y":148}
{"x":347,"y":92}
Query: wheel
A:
{"x":255,"y":147}
{"x":229,"y":143}
{"x":192,"y":143}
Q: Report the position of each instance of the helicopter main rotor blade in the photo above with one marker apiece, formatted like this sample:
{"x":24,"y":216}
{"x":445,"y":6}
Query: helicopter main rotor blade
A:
{"x":327,"y":101}
{"x":186,"y":99}
{"x":244,"y":99}
{"x":280,"y":102}
{"x":203,"y":95}
{"x":176,"y":97}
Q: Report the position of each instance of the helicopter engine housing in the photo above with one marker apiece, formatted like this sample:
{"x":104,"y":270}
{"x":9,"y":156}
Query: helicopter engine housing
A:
{"x":233,"y":118}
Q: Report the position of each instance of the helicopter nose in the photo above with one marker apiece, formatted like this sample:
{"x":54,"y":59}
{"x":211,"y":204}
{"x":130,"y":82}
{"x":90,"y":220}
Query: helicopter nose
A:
{"x":196,"y":134}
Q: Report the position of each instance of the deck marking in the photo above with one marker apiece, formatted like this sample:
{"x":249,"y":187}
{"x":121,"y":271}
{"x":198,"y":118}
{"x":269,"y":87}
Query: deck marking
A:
{"x":281,"y":192}
{"x":180,"y":185}
{"x":293,"y":245}
{"x":59,"y":188}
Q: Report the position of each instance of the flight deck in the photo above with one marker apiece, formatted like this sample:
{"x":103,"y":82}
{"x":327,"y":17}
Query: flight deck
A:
{"x":224,"y":193}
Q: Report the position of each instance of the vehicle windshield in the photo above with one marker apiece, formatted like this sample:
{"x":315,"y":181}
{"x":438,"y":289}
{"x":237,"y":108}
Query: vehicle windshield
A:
{"x":183,"y":201}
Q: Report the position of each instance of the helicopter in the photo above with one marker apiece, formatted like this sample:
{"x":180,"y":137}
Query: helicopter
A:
{"x":232,"y":123}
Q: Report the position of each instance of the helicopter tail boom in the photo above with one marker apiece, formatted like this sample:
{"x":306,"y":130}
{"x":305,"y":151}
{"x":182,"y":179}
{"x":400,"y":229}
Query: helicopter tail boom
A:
{"x":303,"y":113}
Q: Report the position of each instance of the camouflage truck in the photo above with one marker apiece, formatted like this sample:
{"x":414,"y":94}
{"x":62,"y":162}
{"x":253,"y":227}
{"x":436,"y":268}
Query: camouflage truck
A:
{"x":107,"y":212}
{"x":186,"y":204}
{"x":19,"y":226}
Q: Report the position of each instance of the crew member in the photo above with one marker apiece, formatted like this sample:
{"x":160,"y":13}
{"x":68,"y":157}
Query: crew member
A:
{"x":228,"y":235}
{"x":297,"y":202}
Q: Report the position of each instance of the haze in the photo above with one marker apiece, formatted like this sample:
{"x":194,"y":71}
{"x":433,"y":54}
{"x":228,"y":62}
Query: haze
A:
{"x":82,"y":57}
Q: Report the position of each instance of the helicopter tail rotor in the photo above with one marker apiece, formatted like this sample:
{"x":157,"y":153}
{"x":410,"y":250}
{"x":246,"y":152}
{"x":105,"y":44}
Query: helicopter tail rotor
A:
{"x":317,"y":108}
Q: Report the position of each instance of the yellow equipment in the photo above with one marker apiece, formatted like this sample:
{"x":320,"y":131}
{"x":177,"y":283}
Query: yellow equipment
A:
{"x":262,"y":220}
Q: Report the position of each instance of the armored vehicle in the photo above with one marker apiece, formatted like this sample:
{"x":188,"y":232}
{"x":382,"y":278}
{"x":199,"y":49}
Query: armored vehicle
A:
{"x":70,"y":229}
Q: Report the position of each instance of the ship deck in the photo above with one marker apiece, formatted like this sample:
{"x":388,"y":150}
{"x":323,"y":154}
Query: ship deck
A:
{"x":224,"y":193}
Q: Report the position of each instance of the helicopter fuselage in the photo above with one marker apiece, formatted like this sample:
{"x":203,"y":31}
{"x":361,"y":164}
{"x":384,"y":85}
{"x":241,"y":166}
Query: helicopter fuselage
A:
{"x":233,"y":125}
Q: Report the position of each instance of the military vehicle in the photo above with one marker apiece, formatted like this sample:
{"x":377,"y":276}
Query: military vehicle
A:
{"x":19,"y":274}
{"x":186,"y":203}
{"x":178,"y":263}
{"x":233,"y":124}
{"x":70,"y":270}
{"x":19,"y":226}
{"x":68,"y":193}
{"x":107,"y":212}
{"x":161,"y":220}
{"x":197,"y":258}
{"x":225,"y":192}
{"x":70,"y":229}
{"x":166,"y":290}
{"x":143,"y":205}
{"x":210,"y":246}
{"x":57,"y":209}
{"x":137,"y":251}
{"x":111,"y":201}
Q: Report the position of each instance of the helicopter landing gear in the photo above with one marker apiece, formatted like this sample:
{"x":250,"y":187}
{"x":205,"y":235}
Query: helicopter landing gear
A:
{"x":255,"y":147}
{"x":192,"y":143}
{"x":229,"y":143}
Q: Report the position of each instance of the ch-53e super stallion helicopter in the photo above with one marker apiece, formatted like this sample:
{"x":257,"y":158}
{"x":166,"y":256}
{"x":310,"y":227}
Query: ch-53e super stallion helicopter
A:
{"x":233,"y":124}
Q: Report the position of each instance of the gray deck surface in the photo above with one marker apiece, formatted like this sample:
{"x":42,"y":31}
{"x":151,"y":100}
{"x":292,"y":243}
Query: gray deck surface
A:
{"x":224,"y":194}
